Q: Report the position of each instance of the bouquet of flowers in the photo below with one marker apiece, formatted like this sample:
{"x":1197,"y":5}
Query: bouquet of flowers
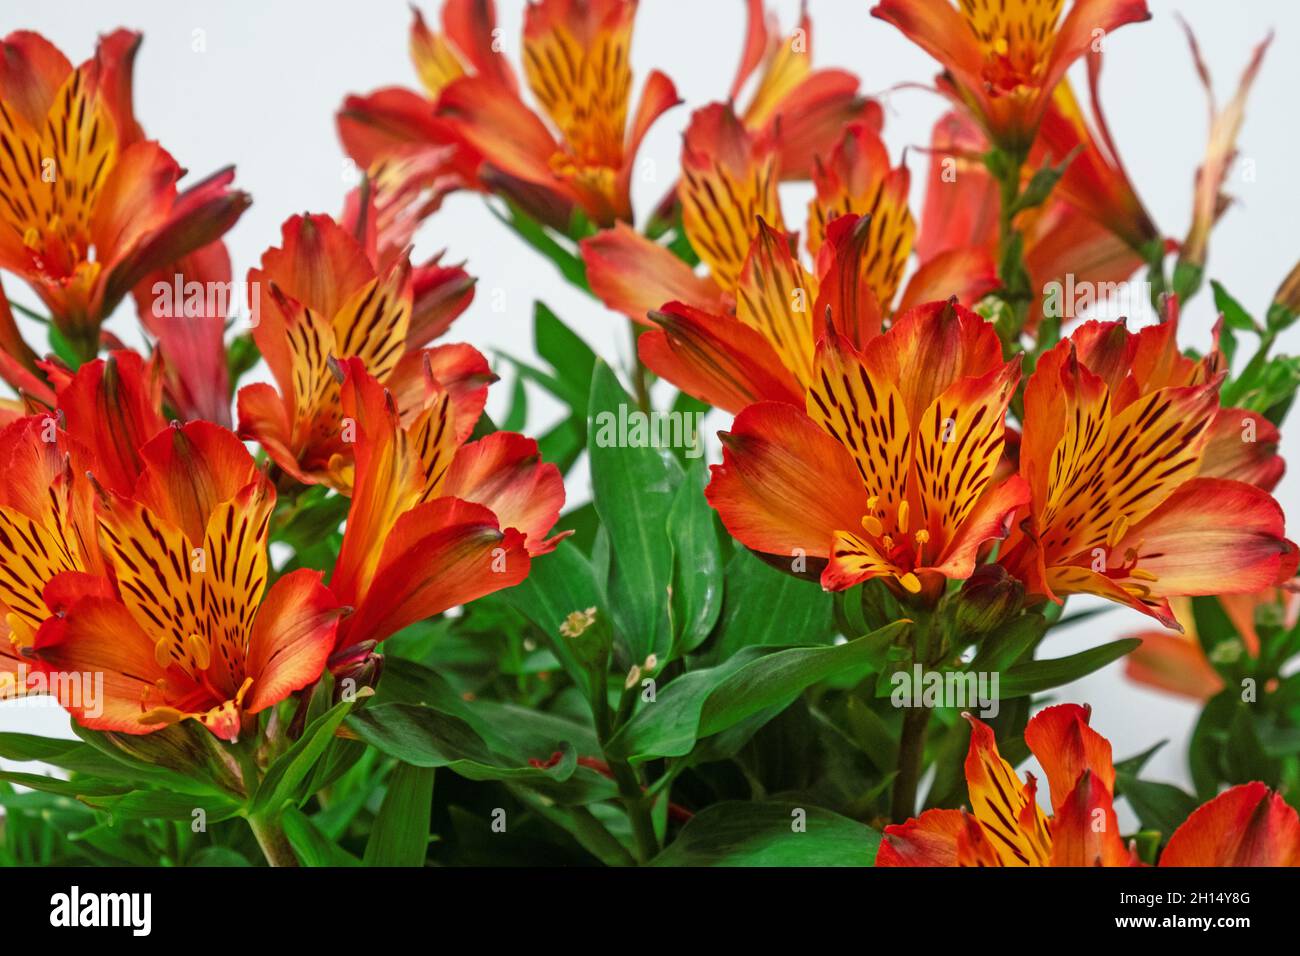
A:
{"x":283,"y":571}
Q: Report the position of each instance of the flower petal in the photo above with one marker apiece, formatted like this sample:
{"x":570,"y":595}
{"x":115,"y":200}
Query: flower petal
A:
{"x":784,"y":486}
{"x":1245,"y":826}
{"x":292,"y":637}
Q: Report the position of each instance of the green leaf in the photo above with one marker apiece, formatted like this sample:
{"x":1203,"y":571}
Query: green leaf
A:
{"x":705,"y":702}
{"x":1001,"y":650}
{"x":634,"y":489}
{"x":1159,"y":806}
{"x":1033,"y":677}
{"x":770,"y":834}
{"x":311,"y":846}
{"x":425,"y":737}
{"x":285,"y":779}
{"x":697,"y":563}
{"x":539,"y":237}
{"x":556,"y":586}
{"x":571,"y":357}
{"x":401,"y":832}
{"x":763,"y":606}
{"x":1234,"y":316}
{"x":164,"y":805}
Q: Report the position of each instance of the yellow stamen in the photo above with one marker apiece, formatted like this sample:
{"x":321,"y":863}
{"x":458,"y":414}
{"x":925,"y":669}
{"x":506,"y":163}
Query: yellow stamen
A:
{"x":872,"y":503}
{"x":1117,"y":531}
{"x":922,"y":538}
{"x":888,"y":542}
{"x":873,"y":525}
{"x":1142,"y":575}
{"x":200,"y":653}
{"x":904,"y":512}
{"x":910,"y":582}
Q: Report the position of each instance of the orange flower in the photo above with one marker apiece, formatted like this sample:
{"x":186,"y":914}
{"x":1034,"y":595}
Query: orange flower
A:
{"x":1091,"y":233}
{"x":435,"y":521}
{"x":1176,"y":663}
{"x":46,"y":527}
{"x":179,"y":626}
{"x":1209,"y":201}
{"x":320,"y":296}
{"x":1095,"y":181}
{"x":1126,"y":503}
{"x":802,"y":109}
{"x":476,"y":130}
{"x":91,"y":207}
{"x":1004,"y":60}
{"x":1244,"y":826}
{"x":859,"y":230}
{"x":887,"y":471}
{"x":393,"y":134}
{"x":577,"y":64}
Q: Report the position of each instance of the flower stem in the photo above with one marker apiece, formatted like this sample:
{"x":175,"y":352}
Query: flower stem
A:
{"x":637,"y":807}
{"x":911,"y":746}
{"x":270,"y":837}
{"x":640,"y":374}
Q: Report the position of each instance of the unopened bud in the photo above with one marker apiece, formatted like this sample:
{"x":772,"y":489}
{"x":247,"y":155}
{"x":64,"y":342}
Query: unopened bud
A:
{"x":989,"y":598}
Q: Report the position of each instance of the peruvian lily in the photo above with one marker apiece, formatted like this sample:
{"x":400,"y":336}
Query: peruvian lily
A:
{"x":1177,"y":664}
{"x":764,"y":348}
{"x":801,"y":109}
{"x":182,"y":625}
{"x":46,"y":527}
{"x":887,"y":472}
{"x":1128,"y":504}
{"x":393,"y":134}
{"x":1095,"y":181}
{"x":1092,"y":232}
{"x":576,"y":59}
{"x":91,"y":207}
{"x":1002,"y":62}
{"x":320,"y":297}
{"x":94,"y":423}
{"x":435,"y":521}
{"x":1244,"y":826}
{"x":1209,"y":201}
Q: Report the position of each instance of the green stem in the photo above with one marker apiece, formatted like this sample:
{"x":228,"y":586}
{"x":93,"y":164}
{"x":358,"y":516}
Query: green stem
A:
{"x":911,"y":741}
{"x":599,"y":840}
{"x":640,"y":374}
{"x":911,"y":747}
{"x":1016,"y":291}
{"x":637,"y":807}
{"x":270,"y":837}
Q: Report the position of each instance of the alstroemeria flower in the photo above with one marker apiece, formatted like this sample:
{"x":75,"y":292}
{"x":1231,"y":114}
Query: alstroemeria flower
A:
{"x":1209,"y":200}
{"x":1176,"y":663}
{"x":1244,"y":826}
{"x":1124,"y":506}
{"x":1003,"y":61}
{"x":393,"y":133}
{"x":1088,"y":234}
{"x":1095,"y":181}
{"x":576,"y":59}
{"x":803,"y":109}
{"x":90,"y":206}
{"x":435,"y":521}
{"x":180,"y":626}
{"x":1005,"y":826}
{"x":322,"y":298}
{"x":887,"y":472}
{"x":732,"y":217}
{"x":46,"y":527}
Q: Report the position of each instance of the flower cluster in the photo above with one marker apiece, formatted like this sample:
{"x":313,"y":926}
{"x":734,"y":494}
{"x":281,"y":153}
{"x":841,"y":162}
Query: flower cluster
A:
{"x":342,"y":575}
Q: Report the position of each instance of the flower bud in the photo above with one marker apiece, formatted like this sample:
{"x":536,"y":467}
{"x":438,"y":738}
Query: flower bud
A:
{"x":989,"y":598}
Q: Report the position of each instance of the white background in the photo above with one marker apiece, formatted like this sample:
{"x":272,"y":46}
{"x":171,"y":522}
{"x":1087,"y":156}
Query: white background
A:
{"x":263,"y":91}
